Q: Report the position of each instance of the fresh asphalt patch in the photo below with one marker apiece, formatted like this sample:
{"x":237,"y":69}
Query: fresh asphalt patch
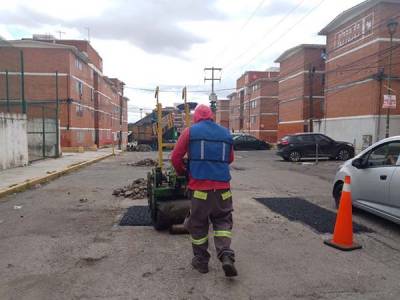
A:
{"x":299,"y":210}
{"x":136,"y":216}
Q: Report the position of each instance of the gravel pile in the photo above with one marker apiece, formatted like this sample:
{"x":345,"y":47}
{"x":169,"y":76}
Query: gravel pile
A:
{"x":136,"y":190}
{"x":148,"y":162}
{"x":143,"y":148}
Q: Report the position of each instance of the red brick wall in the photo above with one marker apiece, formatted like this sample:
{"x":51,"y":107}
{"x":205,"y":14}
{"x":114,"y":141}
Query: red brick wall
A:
{"x":76,"y":83}
{"x":294,"y":90}
{"x":85,"y":46}
{"x":222,"y":113}
{"x":365,"y":98}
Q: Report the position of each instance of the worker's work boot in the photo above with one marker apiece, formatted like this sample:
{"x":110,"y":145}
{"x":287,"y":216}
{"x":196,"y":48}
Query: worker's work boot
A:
{"x":228,"y":265}
{"x":200,"y":266}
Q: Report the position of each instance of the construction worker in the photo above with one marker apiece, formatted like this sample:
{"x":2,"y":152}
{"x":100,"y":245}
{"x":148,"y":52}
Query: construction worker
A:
{"x":210,"y":151}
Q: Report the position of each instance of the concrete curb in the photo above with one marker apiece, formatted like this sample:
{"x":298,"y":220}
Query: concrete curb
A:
{"x":32,"y":182}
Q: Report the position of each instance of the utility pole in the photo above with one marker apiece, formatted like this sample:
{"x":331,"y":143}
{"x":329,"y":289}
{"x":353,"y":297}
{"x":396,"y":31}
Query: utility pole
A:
{"x":392,"y":26}
{"x":186,"y":106}
{"x":213,"y":97}
{"x":159,"y":129}
{"x":311,"y":74}
{"x":60,"y":33}
{"x":88,"y":33}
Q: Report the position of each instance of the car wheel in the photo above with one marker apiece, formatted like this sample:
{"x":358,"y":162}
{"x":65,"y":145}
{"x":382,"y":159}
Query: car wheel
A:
{"x":295,"y":156}
{"x":337,"y":192}
{"x":343,"y":155}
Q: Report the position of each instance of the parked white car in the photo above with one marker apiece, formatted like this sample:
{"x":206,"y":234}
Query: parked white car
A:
{"x":375,"y":179}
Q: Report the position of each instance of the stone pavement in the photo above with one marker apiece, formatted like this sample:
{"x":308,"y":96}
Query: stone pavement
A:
{"x":40,"y":169}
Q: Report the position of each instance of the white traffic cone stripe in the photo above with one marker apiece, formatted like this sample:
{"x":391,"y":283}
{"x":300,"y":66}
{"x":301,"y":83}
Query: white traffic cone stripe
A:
{"x":346,"y":188}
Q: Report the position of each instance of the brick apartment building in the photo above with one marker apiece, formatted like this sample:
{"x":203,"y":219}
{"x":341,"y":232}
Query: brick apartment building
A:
{"x":93,"y":109}
{"x":301,"y":82}
{"x":254,"y":105}
{"x":357,"y":66}
{"x":235,"y":114}
{"x":222,"y":113}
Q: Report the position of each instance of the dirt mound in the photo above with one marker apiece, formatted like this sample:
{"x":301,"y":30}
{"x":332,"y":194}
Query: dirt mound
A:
{"x":148,"y":162}
{"x":136,"y":190}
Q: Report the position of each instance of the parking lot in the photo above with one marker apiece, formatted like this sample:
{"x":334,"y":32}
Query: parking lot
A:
{"x":64,"y":241}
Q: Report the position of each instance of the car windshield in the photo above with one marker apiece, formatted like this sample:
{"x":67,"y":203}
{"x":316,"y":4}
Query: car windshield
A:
{"x":236,"y":136}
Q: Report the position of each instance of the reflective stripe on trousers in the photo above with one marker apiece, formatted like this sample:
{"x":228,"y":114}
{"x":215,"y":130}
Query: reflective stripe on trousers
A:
{"x":199,"y":242}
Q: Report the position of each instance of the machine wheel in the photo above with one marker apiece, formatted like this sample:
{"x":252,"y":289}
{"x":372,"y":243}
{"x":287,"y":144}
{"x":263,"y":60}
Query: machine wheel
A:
{"x":160,"y":222}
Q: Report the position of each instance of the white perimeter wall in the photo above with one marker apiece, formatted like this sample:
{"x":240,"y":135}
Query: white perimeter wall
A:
{"x":352,"y":129}
{"x":13,"y":141}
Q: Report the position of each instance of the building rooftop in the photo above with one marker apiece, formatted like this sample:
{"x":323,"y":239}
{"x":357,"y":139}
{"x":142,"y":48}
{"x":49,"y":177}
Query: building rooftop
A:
{"x":29,"y":43}
{"x":292,"y":51}
{"x":351,"y":13}
{"x":273,"y":69}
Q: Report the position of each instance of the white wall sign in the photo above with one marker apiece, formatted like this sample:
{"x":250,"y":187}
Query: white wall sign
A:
{"x":389,"y":101}
{"x":355,"y":31}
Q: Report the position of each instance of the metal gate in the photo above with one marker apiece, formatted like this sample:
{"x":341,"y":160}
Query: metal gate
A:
{"x":42,"y":130}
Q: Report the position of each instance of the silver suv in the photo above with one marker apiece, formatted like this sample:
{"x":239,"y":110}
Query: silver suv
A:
{"x":375,"y":179}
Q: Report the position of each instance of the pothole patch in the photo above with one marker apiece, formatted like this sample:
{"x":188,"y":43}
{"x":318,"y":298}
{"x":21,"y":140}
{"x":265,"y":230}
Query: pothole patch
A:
{"x":299,"y":210}
{"x":136,"y":216}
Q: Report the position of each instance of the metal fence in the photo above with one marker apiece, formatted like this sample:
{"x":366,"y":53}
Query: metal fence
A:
{"x":42,"y":126}
{"x":42,"y":115}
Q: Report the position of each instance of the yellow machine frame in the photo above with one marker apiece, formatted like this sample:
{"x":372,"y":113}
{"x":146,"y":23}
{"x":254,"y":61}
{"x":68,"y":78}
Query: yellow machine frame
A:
{"x":160,"y":142}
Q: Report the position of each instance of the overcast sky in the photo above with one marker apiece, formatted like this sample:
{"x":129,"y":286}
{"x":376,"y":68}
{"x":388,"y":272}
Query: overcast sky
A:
{"x":169,"y":42}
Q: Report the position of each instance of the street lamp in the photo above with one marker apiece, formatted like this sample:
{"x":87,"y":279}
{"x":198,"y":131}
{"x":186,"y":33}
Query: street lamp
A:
{"x":392,"y":27}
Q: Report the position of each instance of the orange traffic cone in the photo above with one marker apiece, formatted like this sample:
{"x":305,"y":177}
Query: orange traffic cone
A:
{"x":343,"y":233}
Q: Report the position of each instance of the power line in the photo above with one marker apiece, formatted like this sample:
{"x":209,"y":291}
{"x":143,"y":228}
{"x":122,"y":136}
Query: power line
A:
{"x":236,"y":34}
{"x":286,"y":32}
{"x":270,"y":30}
{"x":283,"y":34}
{"x":177,"y":90}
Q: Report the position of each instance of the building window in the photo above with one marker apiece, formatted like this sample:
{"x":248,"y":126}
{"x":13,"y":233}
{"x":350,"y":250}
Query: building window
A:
{"x":79,"y":88}
{"x":78,"y":64}
{"x":79,"y":110}
{"x":91,"y":94}
{"x":253,"y":119}
{"x":253,"y":104}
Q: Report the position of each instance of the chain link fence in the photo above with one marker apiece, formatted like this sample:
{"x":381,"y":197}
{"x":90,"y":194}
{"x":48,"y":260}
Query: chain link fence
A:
{"x":41,"y":114}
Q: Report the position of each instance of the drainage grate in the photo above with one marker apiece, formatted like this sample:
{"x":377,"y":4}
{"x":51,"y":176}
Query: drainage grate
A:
{"x":136,"y":216}
{"x":300,"y":210}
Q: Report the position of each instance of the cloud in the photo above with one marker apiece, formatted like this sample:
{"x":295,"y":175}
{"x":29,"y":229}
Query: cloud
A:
{"x":155,"y":26}
{"x":277,"y":8}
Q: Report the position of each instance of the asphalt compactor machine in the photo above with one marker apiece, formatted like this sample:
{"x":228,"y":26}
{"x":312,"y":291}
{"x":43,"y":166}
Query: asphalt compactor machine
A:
{"x":167,"y":193}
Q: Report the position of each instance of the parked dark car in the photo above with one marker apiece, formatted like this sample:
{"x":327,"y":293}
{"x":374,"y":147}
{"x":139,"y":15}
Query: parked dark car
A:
{"x":243,"y":141}
{"x":304,"y":145}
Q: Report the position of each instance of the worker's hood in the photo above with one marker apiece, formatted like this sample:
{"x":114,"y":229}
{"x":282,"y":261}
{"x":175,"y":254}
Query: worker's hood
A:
{"x":202,"y":112}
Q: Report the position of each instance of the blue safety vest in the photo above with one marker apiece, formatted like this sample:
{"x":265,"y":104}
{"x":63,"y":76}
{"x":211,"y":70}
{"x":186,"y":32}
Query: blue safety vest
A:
{"x":209,"y":151}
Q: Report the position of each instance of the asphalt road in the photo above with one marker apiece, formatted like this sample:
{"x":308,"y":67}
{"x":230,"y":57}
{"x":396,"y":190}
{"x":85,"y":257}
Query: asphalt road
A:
{"x":64,"y":242}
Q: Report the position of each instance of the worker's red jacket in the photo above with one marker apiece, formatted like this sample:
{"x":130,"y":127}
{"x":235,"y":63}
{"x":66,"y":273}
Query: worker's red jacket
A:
{"x":180,"y":150}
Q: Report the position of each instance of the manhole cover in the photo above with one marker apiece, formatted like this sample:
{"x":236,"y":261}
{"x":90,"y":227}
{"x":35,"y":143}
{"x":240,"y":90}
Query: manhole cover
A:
{"x":136,"y":216}
{"x":300,"y":210}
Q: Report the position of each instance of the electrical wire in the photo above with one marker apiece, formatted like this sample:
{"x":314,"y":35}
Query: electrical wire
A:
{"x":284,"y":33}
{"x":237,"y":33}
{"x":269,"y":31}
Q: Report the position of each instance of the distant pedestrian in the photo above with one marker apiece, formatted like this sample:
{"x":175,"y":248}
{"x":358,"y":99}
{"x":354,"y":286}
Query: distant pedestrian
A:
{"x":210,"y":151}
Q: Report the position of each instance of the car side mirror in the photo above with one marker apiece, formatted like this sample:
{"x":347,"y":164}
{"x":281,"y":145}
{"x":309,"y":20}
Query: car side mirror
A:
{"x":358,"y":163}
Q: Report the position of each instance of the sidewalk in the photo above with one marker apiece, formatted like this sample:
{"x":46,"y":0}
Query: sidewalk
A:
{"x":18,"y":179}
